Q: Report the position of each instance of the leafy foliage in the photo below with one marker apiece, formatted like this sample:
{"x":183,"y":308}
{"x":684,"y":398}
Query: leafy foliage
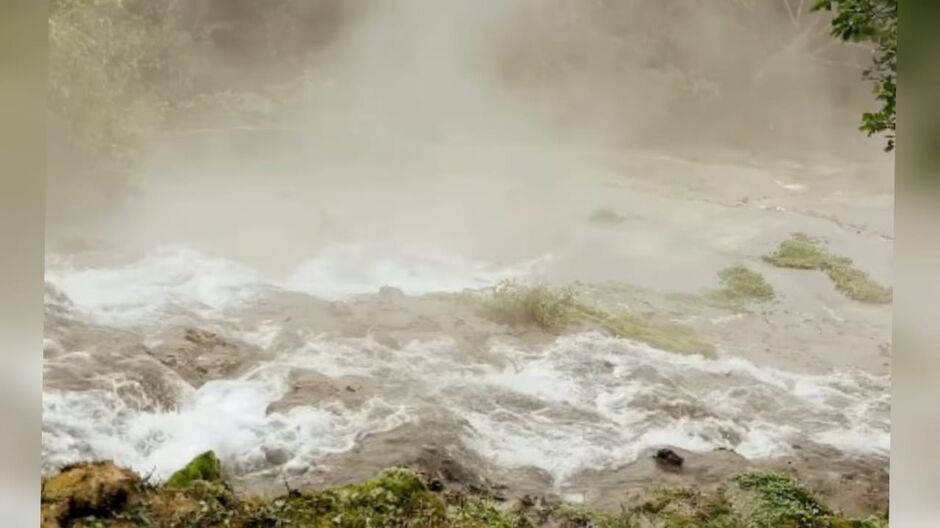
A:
{"x":874,"y":21}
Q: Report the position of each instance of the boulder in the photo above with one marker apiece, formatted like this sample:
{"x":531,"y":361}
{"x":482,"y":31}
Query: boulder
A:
{"x":86,"y":489}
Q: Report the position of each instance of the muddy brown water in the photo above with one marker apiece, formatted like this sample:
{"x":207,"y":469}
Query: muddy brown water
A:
{"x":300,"y":368}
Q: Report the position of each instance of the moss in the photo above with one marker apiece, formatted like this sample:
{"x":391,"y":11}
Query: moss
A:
{"x":397,"y":498}
{"x":475,"y":512}
{"x":570,"y":517}
{"x":205,"y":467}
{"x":686,"y":508}
{"x":803,"y":252}
{"x":401,"y":498}
{"x":90,"y":487}
{"x":782,"y":502}
{"x":86,"y":491}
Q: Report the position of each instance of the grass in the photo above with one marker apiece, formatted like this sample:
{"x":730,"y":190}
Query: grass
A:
{"x":664,"y":335}
{"x":740,"y":287}
{"x":739,"y":284}
{"x":799,"y":252}
{"x":512,"y":303}
{"x":803,"y":252}
{"x":780,"y":501}
{"x":554,"y":310}
{"x":401,"y":498}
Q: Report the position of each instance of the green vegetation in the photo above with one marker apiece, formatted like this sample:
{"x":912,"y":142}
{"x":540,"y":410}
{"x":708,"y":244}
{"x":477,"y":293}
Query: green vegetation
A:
{"x":204,"y":467}
{"x":740,"y":284}
{"x":803,"y":252}
{"x":781,"y":501}
{"x":397,"y":498}
{"x":876,"y":22}
{"x":554,"y":310}
{"x":799,"y":252}
{"x":740,"y":288}
{"x":664,"y":335}
{"x":540,"y":305}
{"x":104,"y":495}
{"x":121,"y":71}
{"x":109,"y":67}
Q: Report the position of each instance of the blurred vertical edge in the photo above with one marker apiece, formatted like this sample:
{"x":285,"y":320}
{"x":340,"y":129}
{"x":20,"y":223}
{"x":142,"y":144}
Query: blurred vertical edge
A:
{"x":23,"y":45}
{"x":915,"y":464}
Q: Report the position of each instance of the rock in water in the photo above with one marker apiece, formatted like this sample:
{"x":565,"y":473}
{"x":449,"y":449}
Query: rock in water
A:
{"x":669,"y":458}
{"x":204,"y":467}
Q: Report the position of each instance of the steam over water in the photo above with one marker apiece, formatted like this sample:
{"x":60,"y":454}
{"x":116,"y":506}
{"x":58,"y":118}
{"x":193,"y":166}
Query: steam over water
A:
{"x":298,"y":296}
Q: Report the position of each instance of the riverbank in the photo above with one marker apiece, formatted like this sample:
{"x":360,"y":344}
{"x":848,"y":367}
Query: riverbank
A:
{"x":102,"y":494}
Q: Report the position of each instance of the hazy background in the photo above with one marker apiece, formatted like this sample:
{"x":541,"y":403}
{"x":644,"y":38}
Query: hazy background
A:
{"x":436,"y":123}
{"x":915,"y":359}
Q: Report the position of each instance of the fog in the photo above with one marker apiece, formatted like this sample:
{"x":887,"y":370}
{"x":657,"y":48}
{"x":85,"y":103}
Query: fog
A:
{"x":229,"y":290}
{"x":471,"y":128}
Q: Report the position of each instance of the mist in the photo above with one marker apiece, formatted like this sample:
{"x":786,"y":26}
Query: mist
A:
{"x":468,"y":127}
{"x":523,"y":246}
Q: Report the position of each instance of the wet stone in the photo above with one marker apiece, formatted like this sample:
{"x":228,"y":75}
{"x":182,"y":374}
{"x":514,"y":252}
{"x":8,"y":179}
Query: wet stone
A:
{"x":669,"y":458}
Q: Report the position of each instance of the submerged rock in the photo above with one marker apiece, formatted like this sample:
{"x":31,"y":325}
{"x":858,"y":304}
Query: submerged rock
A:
{"x":669,"y":458}
{"x":199,"y":356}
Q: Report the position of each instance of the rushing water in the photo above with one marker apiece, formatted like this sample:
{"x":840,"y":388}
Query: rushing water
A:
{"x":561,"y":405}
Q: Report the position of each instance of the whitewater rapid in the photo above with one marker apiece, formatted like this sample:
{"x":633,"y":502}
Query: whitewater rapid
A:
{"x":576,"y":402}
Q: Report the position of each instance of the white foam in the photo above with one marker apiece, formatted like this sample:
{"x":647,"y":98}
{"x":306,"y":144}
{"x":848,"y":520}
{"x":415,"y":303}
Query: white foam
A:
{"x":795,"y":187}
{"x":601,"y":418}
{"x":142,"y":291}
{"x":583,"y":401}
{"x":263,"y":336}
{"x":343,"y":271}
{"x":172,"y":280}
{"x":227,"y":416}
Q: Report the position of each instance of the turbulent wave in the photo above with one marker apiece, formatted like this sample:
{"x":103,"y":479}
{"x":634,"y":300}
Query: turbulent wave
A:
{"x":576,"y":402}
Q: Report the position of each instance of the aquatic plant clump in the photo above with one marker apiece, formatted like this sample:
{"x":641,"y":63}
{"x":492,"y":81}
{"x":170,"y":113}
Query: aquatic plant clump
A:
{"x":664,"y":335}
{"x":740,"y":288}
{"x":741,"y":284}
{"x":554,"y":309}
{"x":105,"y":495}
{"x":539,"y":305}
{"x":799,"y":252}
{"x":803,"y":252}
